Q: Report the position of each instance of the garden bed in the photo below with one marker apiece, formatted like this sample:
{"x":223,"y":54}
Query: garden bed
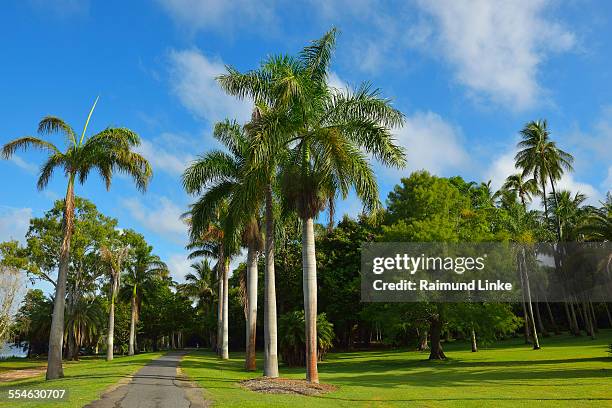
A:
{"x":286,"y":386}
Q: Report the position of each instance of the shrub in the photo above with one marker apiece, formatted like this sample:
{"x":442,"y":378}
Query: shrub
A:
{"x":293,"y":344}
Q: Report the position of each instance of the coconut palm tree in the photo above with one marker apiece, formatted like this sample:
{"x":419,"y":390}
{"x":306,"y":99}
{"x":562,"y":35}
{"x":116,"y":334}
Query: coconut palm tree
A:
{"x":539,"y":156}
{"x":597,"y":225}
{"x":524,"y":189}
{"x":106,"y":152}
{"x":327,"y":134}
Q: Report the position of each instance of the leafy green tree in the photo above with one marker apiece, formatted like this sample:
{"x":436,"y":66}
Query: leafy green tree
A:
{"x":32,"y":322}
{"x":107,"y":151}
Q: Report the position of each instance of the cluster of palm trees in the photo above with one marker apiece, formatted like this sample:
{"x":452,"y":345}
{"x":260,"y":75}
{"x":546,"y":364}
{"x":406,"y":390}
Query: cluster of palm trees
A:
{"x":306,"y":145}
{"x":542,"y":164}
{"x":106,"y":152}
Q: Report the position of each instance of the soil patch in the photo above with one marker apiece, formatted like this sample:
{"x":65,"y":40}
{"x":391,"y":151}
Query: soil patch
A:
{"x":286,"y":386}
{"x":13,"y":375}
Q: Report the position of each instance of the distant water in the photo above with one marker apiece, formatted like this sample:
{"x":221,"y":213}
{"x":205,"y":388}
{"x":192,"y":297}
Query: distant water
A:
{"x":10,"y":350}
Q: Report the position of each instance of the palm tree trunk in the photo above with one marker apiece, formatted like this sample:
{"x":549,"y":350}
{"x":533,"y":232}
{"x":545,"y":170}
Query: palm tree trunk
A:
{"x":225,"y":341}
{"x":56,"y":336}
{"x":251,"y":364}
{"x":132,"y":324}
{"x":309,"y":267}
{"x":551,"y":316}
{"x":552,"y":185}
{"x":608,"y":314}
{"x":544,"y":200}
{"x":536,"y":342}
{"x":220,"y":267}
{"x":270,"y":339}
{"x":111,"y":331}
{"x":474,"y":344}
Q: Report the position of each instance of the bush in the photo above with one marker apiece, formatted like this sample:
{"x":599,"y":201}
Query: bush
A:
{"x":293,"y":344}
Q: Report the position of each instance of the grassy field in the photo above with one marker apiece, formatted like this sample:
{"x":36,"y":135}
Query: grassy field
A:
{"x":84,"y":380}
{"x":567,"y":371}
{"x":14,"y":363}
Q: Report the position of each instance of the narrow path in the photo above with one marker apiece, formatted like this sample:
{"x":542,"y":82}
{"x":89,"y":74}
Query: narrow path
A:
{"x":155,"y":385}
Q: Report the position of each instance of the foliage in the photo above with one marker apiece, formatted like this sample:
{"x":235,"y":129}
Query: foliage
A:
{"x":292,"y":344}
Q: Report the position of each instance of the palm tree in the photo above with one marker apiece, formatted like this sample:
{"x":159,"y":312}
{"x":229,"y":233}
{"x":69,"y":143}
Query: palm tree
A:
{"x":328,"y":134}
{"x":597,"y":225}
{"x":570,"y":212}
{"x":224,"y":174}
{"x":143,"y":266}
{"x":524,"y":189}
{"x":85,"y":320}
{"x":107,"y":151}
{"x":114,"y":258}
{"x":199,"y":283}
{"x":540,"y":157}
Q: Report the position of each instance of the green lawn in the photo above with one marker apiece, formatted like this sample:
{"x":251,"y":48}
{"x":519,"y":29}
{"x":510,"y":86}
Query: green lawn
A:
{"x":567,"y":371}
{"x":14,"y":363}
{"x":84,"y":380}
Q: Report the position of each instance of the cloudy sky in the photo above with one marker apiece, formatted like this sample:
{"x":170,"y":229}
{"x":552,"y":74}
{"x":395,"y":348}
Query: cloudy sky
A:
{"x":467,"y":74}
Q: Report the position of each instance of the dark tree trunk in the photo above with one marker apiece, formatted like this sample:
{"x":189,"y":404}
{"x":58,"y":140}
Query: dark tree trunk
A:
{"x":435,"y":328}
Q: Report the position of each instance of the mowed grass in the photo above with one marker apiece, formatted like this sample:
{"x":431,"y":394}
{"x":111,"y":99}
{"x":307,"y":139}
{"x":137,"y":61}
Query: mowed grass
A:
{"x":84,"y":381}
{"x":567,"y":371}
{"x":15,"y":363}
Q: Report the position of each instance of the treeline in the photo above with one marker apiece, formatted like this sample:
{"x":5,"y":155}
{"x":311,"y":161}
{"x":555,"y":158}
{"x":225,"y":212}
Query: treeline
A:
{"x":120,"y":297}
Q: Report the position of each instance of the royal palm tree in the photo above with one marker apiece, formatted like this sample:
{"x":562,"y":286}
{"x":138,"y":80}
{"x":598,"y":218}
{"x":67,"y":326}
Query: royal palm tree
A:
{"x":105,"y":152}
{"x":540,"y":157}
{"x":142,"y":267}
{"x":524,"y":189}
{"x":328,"y":134}
{"x":199,"y":284}
{"x":224,"y":174}
{"x":113,"y":256}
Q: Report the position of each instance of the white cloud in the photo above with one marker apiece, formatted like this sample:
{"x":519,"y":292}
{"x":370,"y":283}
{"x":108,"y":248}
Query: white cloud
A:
{"x":431,"y":144}
{"x":14,"y":223}
{"x":27,"y":166}
{"x":496,"y":48}
{"x":166,"y":153}
{"x":179,"y":266}
{"x":221,"y":15}
{"x":500,"y":169}
{"x":193,"y":81}
{"x":607,"y":184}
{"x":163,"y":217}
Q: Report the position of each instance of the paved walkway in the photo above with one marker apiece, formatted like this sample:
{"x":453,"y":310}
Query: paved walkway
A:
{"x":155,"y":385}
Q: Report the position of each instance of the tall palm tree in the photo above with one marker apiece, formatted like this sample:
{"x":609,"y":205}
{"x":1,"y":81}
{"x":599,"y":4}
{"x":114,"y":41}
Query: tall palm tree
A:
{"x":570,"y":212}
{"x":539,"y":156}
{"x":107,"y":151}
{"x":199,"y":283}
{"x":143,"y":266}
{"x":224,"y":174}
{"x":114,"y":258}
{"x":327,"y":133}
{"x":524,"y":189}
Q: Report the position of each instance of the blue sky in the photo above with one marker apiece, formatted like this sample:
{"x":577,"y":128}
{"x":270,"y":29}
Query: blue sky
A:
{"x":467,"y":75}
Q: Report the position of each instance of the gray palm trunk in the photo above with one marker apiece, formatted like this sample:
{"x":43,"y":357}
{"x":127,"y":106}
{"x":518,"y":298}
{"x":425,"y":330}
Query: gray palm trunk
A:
{"x":536,"y":341}
{"x":225,"y":340}
{"x":251,"y":326}
{"x":309,"y":274}
{"x":110,"y":340}
{"x":219,"y":344}
{"x":132,"y":325}
{"x":270,"y":338}
{"x":56,"y":335}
